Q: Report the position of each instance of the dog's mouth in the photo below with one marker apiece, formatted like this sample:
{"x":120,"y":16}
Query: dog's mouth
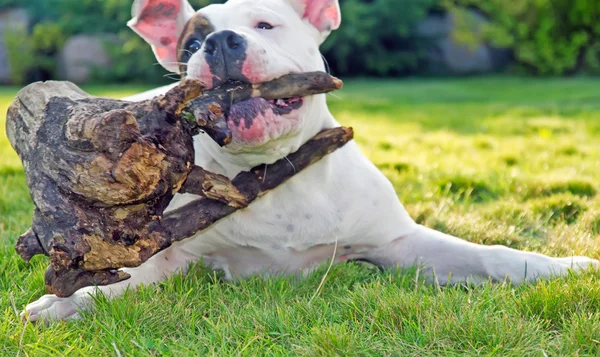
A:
{"x":286,"y":106}
{"x":251,"y":108}
{"x":256,"y":121}
{"x":278,"y":106}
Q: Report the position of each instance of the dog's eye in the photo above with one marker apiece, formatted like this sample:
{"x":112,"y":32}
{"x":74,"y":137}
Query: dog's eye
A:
{"x":194,"y":46}
{"x":264,"y":26}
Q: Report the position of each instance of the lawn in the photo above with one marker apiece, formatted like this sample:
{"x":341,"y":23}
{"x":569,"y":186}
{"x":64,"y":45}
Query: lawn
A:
{"x":494,"y":160}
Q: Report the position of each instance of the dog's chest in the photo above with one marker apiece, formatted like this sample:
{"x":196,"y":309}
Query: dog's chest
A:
{"x":291,"y":217}
{"x":343,"y":198}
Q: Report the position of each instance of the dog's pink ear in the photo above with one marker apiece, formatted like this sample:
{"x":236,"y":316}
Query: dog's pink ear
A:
{"x":160,"y":22}
{"x":325,"y":15}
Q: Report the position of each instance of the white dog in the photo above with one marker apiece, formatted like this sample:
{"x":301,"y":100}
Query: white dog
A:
{"x":341,"y":206}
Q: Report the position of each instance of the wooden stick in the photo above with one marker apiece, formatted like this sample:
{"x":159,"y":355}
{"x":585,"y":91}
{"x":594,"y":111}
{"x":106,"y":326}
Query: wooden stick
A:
{"x":209,"y":110}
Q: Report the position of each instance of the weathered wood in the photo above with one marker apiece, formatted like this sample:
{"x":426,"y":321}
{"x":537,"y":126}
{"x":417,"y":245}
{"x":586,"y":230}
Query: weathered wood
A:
{"x":97,"y":167}
{"x":213,"y":186}
{"x":188,"y":220}
{"x":101,"y":172}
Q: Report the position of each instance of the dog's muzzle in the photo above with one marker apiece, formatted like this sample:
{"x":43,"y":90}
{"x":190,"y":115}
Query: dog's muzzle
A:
{"x":225,"y":53}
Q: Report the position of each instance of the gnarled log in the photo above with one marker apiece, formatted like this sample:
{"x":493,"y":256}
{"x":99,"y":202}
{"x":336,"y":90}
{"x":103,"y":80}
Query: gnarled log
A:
{"x":101,"y":172}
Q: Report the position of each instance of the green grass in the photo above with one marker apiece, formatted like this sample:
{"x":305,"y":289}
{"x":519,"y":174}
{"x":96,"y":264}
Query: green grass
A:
{"x":493,"y":160}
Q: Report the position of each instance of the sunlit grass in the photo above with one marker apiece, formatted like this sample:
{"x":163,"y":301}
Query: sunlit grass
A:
{"x":494,"y":160}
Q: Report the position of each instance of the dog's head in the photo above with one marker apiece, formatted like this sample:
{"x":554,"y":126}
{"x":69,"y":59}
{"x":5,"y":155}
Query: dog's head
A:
{"x":252,"y":41}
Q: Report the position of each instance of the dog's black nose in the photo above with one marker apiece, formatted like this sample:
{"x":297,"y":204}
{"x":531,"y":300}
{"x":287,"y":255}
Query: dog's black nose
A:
{"x":225,"y":53}
{"x":226,"y":43}
{"x":210,"y":47}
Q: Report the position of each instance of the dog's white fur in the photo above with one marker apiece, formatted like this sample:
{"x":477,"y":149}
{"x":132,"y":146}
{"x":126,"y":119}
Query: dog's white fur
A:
{"x":342,"y":203}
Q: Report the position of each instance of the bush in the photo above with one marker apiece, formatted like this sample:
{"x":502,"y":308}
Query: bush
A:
{"x":56,"y":20}
{"x":548,"y":37}
{"x":19,"y":54}
{"x":31,"y":57}
{"x":376,"y":38}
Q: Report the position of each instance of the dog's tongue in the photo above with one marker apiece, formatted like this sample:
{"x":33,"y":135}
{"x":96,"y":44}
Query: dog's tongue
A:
{"x":285,"y":106}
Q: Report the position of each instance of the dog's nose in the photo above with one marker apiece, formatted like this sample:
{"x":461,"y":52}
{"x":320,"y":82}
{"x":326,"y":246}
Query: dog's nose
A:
{"x":225,"y":54}
{"x":229,"y":43}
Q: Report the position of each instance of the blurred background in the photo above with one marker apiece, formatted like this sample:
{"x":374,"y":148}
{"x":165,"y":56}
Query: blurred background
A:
{"x":483,"y":114}
{"x":86,"y":41}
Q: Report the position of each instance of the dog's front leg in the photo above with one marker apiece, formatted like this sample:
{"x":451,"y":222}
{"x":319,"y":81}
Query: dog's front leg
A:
{"x":451,"y":260}
{"x":158,"y":268}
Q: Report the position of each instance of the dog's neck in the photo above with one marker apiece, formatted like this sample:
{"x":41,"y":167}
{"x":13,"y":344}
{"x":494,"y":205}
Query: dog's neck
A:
{"x":222,"y":160}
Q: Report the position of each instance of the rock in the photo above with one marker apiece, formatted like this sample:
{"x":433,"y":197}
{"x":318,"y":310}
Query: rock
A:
{"x":81,"y":54}
{"x":10,"y":20}
{"x":435,"y":26}
{"x":447,"y":55}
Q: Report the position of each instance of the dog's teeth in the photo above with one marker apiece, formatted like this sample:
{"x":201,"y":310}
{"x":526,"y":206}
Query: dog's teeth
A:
{"x":280,"y":102}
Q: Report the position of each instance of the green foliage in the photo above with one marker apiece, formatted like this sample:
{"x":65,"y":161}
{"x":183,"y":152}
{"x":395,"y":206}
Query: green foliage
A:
{"x":377,"y":38}
{"x":132,"y":58}
{"x":549,"y":37}
{"x":47,"y":37}
{"x":132,"y":61}
{"x":19,"y":54}
{"x":4,"y":4}
{"x":33,"y":52}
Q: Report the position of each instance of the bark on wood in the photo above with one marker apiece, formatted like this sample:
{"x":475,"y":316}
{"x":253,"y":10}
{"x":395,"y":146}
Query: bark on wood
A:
{"x":101,"y":172}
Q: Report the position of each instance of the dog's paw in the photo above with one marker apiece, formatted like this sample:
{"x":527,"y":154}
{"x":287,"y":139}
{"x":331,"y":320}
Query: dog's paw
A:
{"x":578,"y":263}
{"x":51,"y":308}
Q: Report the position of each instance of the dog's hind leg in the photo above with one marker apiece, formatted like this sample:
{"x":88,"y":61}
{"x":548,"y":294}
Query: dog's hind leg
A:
{"x":449,"y":260}
{"x":158,"y":268}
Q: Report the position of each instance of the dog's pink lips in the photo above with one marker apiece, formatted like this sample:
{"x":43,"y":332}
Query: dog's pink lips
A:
{"x":257,"y":120}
